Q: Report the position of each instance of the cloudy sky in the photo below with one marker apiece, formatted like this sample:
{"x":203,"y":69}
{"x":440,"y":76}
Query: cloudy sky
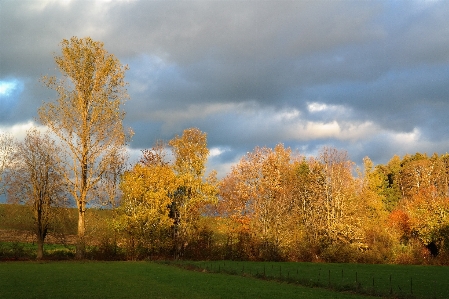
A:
{"x":368,"y":77}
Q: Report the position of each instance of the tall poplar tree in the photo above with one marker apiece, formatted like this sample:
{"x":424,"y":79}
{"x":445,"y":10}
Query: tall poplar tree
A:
{"x":87,"y":117}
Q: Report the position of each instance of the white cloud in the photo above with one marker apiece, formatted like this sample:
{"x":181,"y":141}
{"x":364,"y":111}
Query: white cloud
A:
{"x":290,"y":125}
{"x":19,"y":130}
{"x":339,"y":130}
{"x":314,"y":130}
{"x":217,"y":151}
{"x":315,"y":107}
{"x":407,"y":139}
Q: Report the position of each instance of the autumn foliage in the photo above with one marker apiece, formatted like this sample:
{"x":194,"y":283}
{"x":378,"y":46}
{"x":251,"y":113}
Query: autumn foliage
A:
{"x":163,"y":200}
{"x":274,"y":204}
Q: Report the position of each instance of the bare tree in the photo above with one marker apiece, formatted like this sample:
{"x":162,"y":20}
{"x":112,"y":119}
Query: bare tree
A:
{"x":107,"y":192}
{"x":35,"y":178}
{"x":87,"y":117}
{"x":6,"y":153}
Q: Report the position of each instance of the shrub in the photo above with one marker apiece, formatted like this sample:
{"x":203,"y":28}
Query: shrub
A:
{"x":16,"y":251}
{"x":107,"y":250}
{"x":412,"y":253}
{"x":339,"y":253}
{"x":62,"y":253}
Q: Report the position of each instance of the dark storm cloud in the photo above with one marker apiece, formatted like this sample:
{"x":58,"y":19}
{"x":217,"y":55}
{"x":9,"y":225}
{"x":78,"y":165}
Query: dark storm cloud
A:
{"x":367,"y":76}
{"x":228,"y":52}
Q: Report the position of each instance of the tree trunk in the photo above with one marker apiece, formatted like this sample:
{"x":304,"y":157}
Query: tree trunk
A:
{"x":80,"y":244}
{"x":40,"y":247}
{"x":40,"y":227}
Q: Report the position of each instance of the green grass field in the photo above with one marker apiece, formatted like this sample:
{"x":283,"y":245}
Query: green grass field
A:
{"x":380,"y":280}
{"x":27,"y":251}
{"x":248,"y":280}
{"x":139,"y":280}
{"x":160,"y":280}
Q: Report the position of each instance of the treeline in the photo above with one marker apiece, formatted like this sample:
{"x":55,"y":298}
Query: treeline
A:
{"x":281,"y":205}
{"x":276,"y":204}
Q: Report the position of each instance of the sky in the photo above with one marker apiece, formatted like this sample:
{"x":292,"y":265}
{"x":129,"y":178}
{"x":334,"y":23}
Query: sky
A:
{"x":367,"y":77}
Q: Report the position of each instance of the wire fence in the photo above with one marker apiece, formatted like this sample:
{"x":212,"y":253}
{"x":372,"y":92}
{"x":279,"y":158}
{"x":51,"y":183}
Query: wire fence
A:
{"x":377,"y":280}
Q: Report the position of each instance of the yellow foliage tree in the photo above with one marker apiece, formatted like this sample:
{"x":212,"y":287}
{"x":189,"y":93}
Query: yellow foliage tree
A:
{"x":372,"y":208}
{"x":87,"y":117}
{"x":342,"y":214}
{"x":309,"y":210}
{"x":193,"y":190}
{"x":144,"y":210}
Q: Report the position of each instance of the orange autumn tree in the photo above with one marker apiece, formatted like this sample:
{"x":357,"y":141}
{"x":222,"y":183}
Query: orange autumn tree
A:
{"x":257,"y":198}
{"x":415,"y":174}
{"x":428,"y":214}
{"x":234,"y":217}
{"x":421,"y":213}
{"x":400,"y":221}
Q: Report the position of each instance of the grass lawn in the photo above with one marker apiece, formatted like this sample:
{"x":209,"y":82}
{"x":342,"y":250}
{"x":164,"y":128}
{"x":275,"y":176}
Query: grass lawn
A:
{"x":385,"y":280}
{"x":139,"y":280}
